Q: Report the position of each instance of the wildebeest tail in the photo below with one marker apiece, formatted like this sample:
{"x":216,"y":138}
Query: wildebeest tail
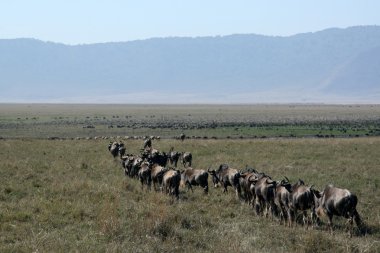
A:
{"x":237,"y":182}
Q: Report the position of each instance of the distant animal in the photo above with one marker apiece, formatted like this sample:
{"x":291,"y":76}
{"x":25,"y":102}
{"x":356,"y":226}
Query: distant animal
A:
{"x":126,"y":163}
{"x":338,"y":202}
{"x":195,"y":177}
{"x":148,"y":143}
{"x":187,"y":159}
{"x":157,"y":173}
{"x":113,"y":147}
{"x":122,"y":149}
{"x":173,"y":156}
{"x":226,"y":176}
{"x":158,"y":158}
{"x":170,"y":182}
{"x":182,"y":136}
{"x":131,"y":165}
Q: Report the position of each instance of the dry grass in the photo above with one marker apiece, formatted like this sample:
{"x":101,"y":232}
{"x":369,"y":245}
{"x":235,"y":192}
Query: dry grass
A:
{"x":73,"y":196}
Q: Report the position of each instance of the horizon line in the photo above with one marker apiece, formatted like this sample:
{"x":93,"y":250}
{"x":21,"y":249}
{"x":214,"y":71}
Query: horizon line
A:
{"x":188,"y":37}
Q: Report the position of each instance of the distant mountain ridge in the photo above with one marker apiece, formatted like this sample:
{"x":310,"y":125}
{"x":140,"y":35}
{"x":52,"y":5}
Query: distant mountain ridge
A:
{"x":333,"y":65}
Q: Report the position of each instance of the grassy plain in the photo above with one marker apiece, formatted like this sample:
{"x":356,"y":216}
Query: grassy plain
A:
{"x":197,"y":121}
{"x":71,"y":195}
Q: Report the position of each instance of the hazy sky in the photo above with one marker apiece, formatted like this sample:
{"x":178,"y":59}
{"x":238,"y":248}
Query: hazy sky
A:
{"x":89,"y":21}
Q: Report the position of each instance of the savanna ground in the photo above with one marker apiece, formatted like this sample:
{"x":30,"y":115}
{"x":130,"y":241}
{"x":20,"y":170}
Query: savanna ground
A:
{"x":196,"y":121}
{"x":71,"y":195}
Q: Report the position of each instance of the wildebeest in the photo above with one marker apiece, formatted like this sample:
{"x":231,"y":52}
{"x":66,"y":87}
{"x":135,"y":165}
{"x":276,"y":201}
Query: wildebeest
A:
{"x":283,"y":190}
{"x":136,"y":165}
{"x":126,"y":163}
{"x":170,"y":182}
{"x":122,"y":149}
{"x":148,"y":143}
{"x":265,"y":189}
{"x":247,"y":184}
{"x":158,"y":158}
{"x":144,"y":175}
{"x":339,"y":202}
{"x":187,"y":159}
{"x":157,"y":173}
{"x":301,"y":198}
{"x":195,"y":177}
{"x":226,"y":176}
{"x":173,"y":156}
{"x":113,"y":147}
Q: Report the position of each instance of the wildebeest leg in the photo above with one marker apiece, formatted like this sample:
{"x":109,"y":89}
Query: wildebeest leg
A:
{"x":295,"y":217}
{"x":224,"y":187}
{"x":290,"y":217}
{"x":273,"y":210}
{"x":237,"y":192}
{"x":283,"y":215}
{"x":149,"y":184}
{"x":330,"y":225}
{"x":305,"y":219}
{"x":176,"y":192}
{"x":189,"y":187}
{"x":257,"y":206}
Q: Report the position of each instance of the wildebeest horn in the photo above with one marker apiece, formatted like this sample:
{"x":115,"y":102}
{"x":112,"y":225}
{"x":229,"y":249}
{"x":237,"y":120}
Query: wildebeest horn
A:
{"x":287,"y":179}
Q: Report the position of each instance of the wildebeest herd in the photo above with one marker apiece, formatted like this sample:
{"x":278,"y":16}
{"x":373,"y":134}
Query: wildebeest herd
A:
{"x":268,"y":197}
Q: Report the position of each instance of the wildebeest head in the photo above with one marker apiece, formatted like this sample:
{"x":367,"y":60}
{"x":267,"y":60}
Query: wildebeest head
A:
{"x":285,"y":183}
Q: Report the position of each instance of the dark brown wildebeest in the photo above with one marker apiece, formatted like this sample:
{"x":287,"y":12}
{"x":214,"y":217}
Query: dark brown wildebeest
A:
{"x":283,"y":190}
{"x":339,"y":202}
{"x":301,"y":198}
{"x":144,"y":175}
{"x":121,"y":150}
{"x":148,"y":143}
{"x":158,"y":158}
{"x":173,"y":156}
{"x":113,"y":147}
{"x":135,"y":166}
{"x":170,"y":182}
{"x":226,"y":176}
{"x":182,"y":136}
{"x":247,"y":184}
{"x":195,"y":177}
{"x":265,"y":189}
{"x":187,"y":158}
{"x":157,"y":173}
{"x":127,"y":162}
